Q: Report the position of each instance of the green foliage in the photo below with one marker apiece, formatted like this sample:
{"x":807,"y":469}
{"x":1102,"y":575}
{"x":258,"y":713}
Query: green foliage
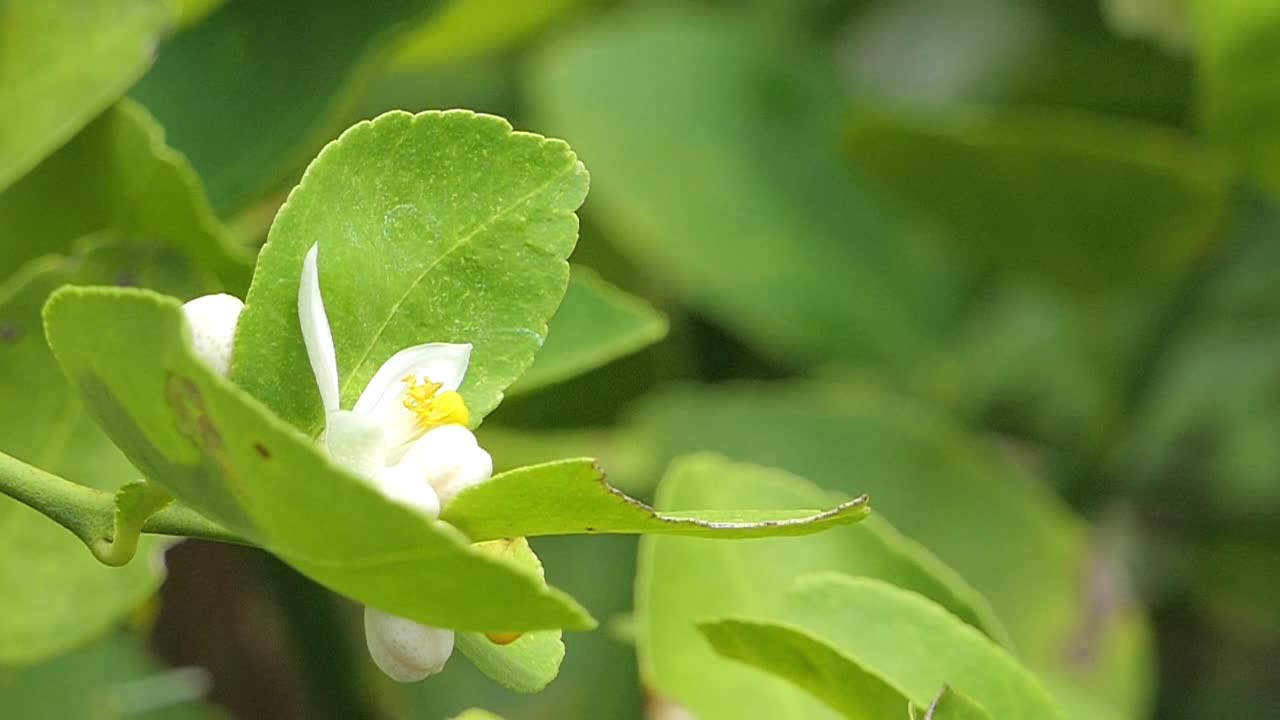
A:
{"x":1239,"y":93}
{"x":1084,"y":202}
{"x":221,"y":452}
{"x":464,"y":29}
{"x":56,"y":595}
{"x":112,"y":679}
{"x":256,"y":88}
{"x":571,"y":497}
{"x":62,"y":63}
{"x":819,"y":271}
{"x":950,"y":704}
{"x":859,"y":438}
{"x":683,"y":581}
{"x":484,"y":266}
{"x":596,"y":323}
{"x":117,"y":174}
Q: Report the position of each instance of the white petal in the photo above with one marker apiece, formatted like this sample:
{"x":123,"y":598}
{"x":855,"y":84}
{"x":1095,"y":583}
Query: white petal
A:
{"x":316,"y":334}
{"x":450,"y":459}
{"x":355,"y":442}
{"x":212,"y":320}
{"x":403,"y":649}
{"x":406,"y":485}
{"x":443,"y":363}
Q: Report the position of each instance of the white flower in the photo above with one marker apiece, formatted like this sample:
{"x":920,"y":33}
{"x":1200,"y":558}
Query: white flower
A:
{"x":407,"y":434}
{"x":212,"y":320}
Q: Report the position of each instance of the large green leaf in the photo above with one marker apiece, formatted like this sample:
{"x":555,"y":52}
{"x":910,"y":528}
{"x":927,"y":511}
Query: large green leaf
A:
{"x":53,"y":594}
{"x":810,"y":663}
{"x":438,"y":227}
{"x":684,"y":580}
{"x":572,"y":497}
{"x":223,"y":453}
{"x":596,"y":323}
{"x":1080,"y":201}
{"x":712,"y":143}
{"x":1064,"y":603}
{"x":113,"y":679}
{"x":1239,"y":91}
{"x":915,"y":644}
{"x":119,"y":175}
{"x":251,"y":92}
{"x":835,"y":677}
{"x":62,"y":63}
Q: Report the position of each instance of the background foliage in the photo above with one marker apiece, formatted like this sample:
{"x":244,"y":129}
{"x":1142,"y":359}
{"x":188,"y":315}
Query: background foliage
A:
{"x":1009,"y":267}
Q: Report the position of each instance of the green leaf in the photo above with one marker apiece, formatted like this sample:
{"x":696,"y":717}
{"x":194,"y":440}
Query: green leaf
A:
{"x":62,"y":63}
{"x":251,"y":93}
{"x":466,"y":29}
{"x":1238,"y":92}
{"x":112,"y":679}
{"x":914,"y":644}
{"x":685,"y":580}
{"x":407,"y":256}
{"x":532,"y":661}
{"x":223,"y":454}
{"x":119,"y":175}
{"x":596,"y":324}
{"x":950,"y":704}
{"x":53,"y":594}
{"x":957,"y":494}
{"x":714,"y":139}
{"x":1079,"y":201}
{"x":571,"y":497}
{"x":793,"y":654}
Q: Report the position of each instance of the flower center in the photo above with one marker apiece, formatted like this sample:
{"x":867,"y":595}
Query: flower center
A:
{"x":432,"y":407}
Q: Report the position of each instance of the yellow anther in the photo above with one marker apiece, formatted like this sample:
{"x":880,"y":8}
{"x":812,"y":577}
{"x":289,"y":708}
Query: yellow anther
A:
{"x":434,"y":408}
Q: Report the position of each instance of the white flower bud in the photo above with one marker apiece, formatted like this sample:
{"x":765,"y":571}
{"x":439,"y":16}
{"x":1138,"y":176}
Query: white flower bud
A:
{"x":212,"y":319}
{"x":405,"y":484}
{"x":403,"y":649}
{"x":449,"y":458}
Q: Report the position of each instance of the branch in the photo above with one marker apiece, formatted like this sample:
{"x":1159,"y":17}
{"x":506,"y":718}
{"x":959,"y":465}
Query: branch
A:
{"x":108,"y":523}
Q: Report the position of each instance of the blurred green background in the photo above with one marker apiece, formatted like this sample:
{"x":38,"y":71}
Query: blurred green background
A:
{"x":1010,"y":266}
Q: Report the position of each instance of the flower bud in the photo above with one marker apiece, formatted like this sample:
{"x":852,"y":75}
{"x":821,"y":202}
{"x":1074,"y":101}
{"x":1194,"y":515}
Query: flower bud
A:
{"x":403,"y":649}
{"x":212,"y":319}
{"x":450,"y":460}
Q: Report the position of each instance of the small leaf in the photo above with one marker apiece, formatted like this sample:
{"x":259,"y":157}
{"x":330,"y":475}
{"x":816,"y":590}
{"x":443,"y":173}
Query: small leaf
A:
{"x":532,"y":661}
{"x":223,"y":454}
{"x":251,"y":93}
{"x":117,"y":174}
{"x":61,"y":64}
{"x":571,"y":496}
{"x":810,"y":663}
{"x":914,"y":644}
{"x":596,"y":323}
{"x":438,"y":227}
{"x":950,"y":704}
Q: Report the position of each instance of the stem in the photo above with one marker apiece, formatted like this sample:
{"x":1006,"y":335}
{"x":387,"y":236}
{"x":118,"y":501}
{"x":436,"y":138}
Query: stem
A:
{"x":109,"y":528}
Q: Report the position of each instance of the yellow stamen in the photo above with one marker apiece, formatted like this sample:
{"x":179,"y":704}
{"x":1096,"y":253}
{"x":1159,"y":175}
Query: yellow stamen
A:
{"x":434,"y":408}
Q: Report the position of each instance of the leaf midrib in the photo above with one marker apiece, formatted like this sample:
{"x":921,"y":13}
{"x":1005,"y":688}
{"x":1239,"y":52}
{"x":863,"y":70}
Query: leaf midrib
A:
{"x":461,"y":242}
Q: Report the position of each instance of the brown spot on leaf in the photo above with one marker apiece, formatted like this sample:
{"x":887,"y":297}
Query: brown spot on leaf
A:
{"x":262,"y":451}
{"x":9,"y":332}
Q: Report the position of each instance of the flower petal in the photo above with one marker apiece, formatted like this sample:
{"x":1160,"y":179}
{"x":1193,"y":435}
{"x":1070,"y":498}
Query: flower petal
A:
{"x":316,"y":334}
{"x":355,"y":442}
{"x":405,"y":485}
{"x":212,"y":320}
{"x":403,"y":649}
{"x":450,"y":460}
{"x":442,"y":363}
